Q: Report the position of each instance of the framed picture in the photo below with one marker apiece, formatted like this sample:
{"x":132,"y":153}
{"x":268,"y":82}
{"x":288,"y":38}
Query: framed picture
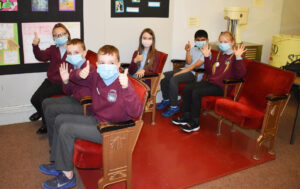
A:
{"x":135,"y":1}
{"x":39,"y":5}
{"x":8,"y":5}
{"x":67,"y":5}
{"x":119,"y":6}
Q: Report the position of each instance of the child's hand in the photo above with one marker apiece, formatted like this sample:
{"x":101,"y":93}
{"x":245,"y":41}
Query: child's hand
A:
{"x":239,"y":51}
{"x":206,"y":50}
{"x":64,"y":73}
{"x":188,"y":46}
{"x":85,"y":71}
{"x":140,"y":73}
{"x":36,"y":39}
{"x":123,"y":79}
{"x":138,"y":58}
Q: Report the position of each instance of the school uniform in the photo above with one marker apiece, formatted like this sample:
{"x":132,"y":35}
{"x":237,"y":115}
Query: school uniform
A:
{"x":52,"y":85}
{"x":70,"y":104}
{"x":135,"y":67}
{"x":110,"y":103}
{"x":169,"y":85}
{"x":223,"y":66}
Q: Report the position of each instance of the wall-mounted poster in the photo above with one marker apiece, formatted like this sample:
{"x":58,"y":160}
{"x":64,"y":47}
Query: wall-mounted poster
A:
{"x":44,"y":32}
{"x":67,"y":5}
{"x":9,"y":44}
{"x":140,"y":8}
{"x":39,"y":5}
{"x":8,"y":5}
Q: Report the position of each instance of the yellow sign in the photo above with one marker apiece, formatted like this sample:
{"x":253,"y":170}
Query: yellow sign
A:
{"x":258,"y":3}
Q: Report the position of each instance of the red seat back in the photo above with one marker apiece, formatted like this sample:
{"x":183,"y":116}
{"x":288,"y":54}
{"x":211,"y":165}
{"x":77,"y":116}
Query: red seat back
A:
{"x":163,"y":59}
{"x":92,"y":57}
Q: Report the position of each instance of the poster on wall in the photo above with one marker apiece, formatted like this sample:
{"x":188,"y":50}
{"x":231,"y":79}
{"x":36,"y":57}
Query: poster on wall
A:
{"x":67,"y":5}
{"x":9,"y":44}
{"x":39,"y":5}
{"x":8,"y":5}
{"x":140,"y":8}
{"x":44,"y":32}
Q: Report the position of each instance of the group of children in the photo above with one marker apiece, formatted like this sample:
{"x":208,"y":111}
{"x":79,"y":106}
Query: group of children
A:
{"x":71,"y":73}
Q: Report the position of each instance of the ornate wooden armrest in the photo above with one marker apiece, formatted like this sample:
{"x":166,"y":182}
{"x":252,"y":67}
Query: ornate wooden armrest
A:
{"x":150,"y":75}
{"x":272,"y":97}
{"x":233,"y":81}
{"x":111,"y":126}
{"x":199,"y":70}
{"x":86,"y":100}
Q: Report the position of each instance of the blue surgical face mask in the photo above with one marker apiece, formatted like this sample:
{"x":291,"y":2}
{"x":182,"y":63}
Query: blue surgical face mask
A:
{"x":108,"y":72}
{"x":75,"y":60}
{"x":224,"y":46}
{"x":200,"y":44}
{"x":61,"y":41}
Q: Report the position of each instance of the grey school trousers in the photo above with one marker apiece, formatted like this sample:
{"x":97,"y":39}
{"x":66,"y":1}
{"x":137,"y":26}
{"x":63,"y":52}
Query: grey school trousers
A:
{"x":67,"y":129}
{"x":52,"y":107}
{"x":169,"y":85}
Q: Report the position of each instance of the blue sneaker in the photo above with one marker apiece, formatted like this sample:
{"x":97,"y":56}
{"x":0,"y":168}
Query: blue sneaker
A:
{"x":49,"y":169}
{"x":171,"y":111}
{"x":59,"y":182}
{"x":163,"y":104}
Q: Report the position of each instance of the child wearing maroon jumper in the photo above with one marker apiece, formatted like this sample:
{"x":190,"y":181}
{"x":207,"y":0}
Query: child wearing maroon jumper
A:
{"x":228,"y":64}
{"x":146,"y":59}
{"x":52,"y":85}
{"x":52,"y":107}
{"x":114,"y":99}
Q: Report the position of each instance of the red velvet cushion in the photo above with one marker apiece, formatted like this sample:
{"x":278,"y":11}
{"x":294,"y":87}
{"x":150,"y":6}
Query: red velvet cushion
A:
{"x":208,"y":102}
{"x":239,"y":113}
{"x":87,"y":154}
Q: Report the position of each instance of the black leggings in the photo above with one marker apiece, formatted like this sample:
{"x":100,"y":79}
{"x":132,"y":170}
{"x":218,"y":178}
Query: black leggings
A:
{"x":192,"y":95}
{"x":46,"y":90}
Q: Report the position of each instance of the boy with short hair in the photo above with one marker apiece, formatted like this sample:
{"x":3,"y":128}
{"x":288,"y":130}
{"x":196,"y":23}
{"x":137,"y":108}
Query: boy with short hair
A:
{"x":112,"y":93}
{"x":70,"y":104}
{"x":169,"y":85}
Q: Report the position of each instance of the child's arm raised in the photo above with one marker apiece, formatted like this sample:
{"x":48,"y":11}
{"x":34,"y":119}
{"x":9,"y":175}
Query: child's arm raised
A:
{"x":41,"y":55}
{"x":82,"y":76}
{"x":188,"y":56}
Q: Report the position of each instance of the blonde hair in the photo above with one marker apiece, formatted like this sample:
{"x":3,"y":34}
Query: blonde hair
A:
{"x":110,"y":50}
{"x":229,"y":34}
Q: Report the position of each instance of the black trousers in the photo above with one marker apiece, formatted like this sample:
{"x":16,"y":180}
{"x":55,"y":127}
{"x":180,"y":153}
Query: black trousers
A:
{"x":192,"y":95}
{"x":46,"y":90}
{"x":169,"y":85}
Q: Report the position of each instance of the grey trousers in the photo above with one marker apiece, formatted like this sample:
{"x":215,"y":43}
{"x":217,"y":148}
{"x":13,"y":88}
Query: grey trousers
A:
{"x":67,"y":129}
{"x":169,"y":85}
{"x":52,"y":107}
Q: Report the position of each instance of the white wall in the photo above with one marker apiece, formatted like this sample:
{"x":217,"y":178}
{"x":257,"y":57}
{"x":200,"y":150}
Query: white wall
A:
{"x":171,"y":33}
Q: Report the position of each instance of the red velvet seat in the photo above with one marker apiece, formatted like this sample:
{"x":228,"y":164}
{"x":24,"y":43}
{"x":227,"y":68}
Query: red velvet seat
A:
{"x":88,"y":154}
{"x":259,"y":104}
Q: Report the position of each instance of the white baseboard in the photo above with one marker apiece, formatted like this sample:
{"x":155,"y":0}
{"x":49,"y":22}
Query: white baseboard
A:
{"x":15,"y":114}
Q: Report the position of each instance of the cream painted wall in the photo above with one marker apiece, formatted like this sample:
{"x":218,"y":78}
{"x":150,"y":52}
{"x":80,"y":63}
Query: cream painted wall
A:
{"x":263,"y":22}
{"x":171,"y":33}
{"x":290,"y":17}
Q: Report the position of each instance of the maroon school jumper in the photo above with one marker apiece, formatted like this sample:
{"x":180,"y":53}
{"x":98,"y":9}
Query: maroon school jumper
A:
{"x":110,"y":103}
{"x":133,"y":67}
{"x":51,"y":54}
{"x":235,"y":70}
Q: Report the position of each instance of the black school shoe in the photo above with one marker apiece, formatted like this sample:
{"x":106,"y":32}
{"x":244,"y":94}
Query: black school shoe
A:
{"x":42,"y":130}
{"x":190,"y":126}
{"x":34,"y":117}
{"x":179,"y":121}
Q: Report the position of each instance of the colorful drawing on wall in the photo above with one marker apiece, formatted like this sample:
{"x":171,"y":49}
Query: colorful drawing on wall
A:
{"x":8,"y":5}
{"x":67,"y":5}
{"x":44,"y":31}
{"x":119,"y":6}
{"x":39,"y":5}
{"x":9,"y":44}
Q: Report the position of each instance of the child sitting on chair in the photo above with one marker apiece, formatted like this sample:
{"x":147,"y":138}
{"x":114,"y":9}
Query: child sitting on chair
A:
{"x":70,"y":104}
{"x":169,"y":85}
{"x":114,"y":99}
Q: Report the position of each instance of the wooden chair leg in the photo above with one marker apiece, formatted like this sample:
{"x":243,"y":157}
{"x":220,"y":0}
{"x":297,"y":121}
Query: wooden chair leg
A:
{"x":271,"y":147}
{"x":259,"y":141}
{"x":219,"y":127}
{"x":153,"y":112}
